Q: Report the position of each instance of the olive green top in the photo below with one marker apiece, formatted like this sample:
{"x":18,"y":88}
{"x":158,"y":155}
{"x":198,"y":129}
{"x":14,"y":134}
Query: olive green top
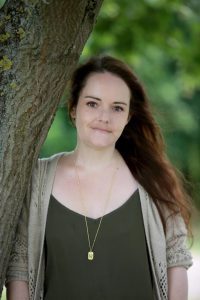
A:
{"x":27,"y":259}
{"x":120,"y":269}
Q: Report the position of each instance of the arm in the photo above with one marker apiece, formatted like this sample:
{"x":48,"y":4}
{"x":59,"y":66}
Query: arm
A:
{"x":179,"y":258}
{"x":17,"y":271}
{"x":177,"y":283}
{"x":17,"y":290}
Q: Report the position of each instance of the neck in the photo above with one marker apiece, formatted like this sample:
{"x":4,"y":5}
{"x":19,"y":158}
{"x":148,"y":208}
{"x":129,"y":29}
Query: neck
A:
{"x":94,"y":159}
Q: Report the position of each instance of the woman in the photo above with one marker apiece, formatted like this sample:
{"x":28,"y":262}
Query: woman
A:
{"x":108,"y":220}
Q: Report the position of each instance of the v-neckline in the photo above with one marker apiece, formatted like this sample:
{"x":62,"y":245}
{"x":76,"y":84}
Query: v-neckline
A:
{"x":96,"y":219}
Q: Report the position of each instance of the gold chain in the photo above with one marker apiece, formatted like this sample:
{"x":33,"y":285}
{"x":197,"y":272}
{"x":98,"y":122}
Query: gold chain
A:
{"x":91,"y":253}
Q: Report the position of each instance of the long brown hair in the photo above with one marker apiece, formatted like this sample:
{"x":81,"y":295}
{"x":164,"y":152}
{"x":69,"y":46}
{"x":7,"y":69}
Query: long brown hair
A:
{"x":141,"y":143}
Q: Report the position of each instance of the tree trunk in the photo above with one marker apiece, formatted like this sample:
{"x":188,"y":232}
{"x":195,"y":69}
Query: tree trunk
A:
{"x":40,"y":43}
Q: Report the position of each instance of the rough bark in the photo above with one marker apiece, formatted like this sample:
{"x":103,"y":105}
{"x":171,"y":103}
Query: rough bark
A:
{"x":40,"y":43}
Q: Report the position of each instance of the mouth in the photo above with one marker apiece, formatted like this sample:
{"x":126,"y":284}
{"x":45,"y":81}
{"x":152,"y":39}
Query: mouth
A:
{"x":103,"y":130}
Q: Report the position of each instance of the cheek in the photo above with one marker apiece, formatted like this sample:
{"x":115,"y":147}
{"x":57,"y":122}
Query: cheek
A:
{"x":119,"y":127}
{"x":122,"y":121}
{"x":82,"y":118}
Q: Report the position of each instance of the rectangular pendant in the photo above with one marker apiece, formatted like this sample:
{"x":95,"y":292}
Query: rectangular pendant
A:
{"x":90,"y":255}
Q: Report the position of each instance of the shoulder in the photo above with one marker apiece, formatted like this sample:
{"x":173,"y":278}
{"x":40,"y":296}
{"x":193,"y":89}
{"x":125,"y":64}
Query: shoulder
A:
{"x":46,"y":165}
{"x":53,"y":159}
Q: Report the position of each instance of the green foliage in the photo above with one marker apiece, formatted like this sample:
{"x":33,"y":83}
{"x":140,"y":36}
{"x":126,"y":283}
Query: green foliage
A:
{"x":61,"y":136}
{"x":2,"y":2}
{"x":159,"y":39}
{"x":140,"y":31}
{"x":3,"y":297}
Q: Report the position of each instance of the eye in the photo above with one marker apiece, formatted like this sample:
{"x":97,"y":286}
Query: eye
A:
{"x":118,"y":108}
{"x":92,"y":104}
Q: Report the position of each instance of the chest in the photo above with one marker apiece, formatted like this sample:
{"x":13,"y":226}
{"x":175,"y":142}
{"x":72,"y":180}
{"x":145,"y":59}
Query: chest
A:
{"x":94,"y":195}
{"x":116,"y":253}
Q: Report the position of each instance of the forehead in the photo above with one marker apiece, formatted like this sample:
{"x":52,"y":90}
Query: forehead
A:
{"x":106,"y":85}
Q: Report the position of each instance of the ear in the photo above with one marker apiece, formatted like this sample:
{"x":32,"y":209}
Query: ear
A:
{"x":73,"y":113}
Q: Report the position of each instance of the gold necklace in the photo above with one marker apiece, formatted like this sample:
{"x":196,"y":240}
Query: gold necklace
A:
{"x":91,"y":247}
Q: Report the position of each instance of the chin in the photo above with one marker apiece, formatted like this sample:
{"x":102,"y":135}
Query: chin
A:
{"x":101,"y":145}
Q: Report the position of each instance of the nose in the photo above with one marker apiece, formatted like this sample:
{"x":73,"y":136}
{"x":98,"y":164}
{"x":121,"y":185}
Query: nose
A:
{"x":104,"y":116}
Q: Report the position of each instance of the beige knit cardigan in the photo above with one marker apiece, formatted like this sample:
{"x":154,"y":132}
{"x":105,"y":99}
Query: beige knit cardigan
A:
{"x":27,"y":257}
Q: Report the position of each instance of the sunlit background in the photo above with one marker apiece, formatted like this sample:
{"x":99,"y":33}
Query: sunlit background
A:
{"x":160,"y":40}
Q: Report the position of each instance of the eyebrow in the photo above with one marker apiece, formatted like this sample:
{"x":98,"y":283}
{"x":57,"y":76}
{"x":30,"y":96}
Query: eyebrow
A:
{"x":96,"y":98}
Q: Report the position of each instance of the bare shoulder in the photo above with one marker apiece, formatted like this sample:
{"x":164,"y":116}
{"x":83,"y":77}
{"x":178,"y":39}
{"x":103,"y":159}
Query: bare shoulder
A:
{"x":64,"y":172}
{"x":126,"y":179}
{"x":126,"y":173}
{"x":65,"y":163}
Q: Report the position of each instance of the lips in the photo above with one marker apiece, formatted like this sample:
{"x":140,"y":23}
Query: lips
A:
{"x":103,"y":130}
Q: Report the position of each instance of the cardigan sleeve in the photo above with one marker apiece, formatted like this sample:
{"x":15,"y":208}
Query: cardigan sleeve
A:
{"x":178,"y":254}
{"x":18,"y":263}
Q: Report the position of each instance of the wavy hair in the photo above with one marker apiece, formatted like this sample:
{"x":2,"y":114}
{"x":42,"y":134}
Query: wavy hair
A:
{"x":141,"y":143}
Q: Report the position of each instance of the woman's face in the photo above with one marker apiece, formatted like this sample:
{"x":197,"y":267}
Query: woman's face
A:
{"x":102,"y":111}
